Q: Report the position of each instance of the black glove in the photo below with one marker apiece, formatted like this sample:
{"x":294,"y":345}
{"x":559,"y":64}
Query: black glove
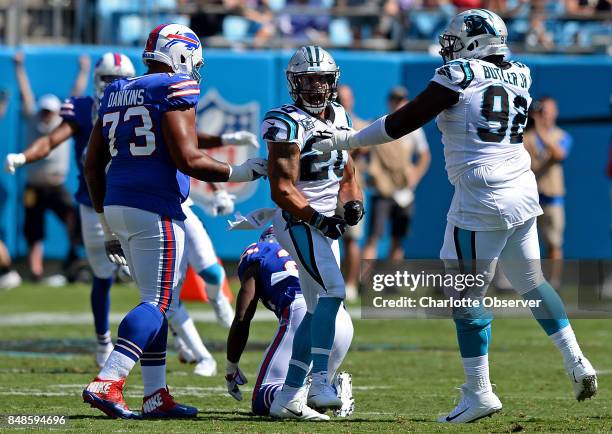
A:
{"x":114,"y":252}
{"x":332,"y":227}
{"x":353,"y":212}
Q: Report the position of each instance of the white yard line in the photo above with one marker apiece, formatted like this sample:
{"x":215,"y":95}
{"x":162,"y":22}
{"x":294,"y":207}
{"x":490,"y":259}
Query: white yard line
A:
{"x":85,"y":318}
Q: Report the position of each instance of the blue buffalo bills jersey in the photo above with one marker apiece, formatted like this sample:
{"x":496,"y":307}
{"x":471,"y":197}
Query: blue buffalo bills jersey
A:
{"x":278,"y":275}
{"x":80,"y":111}
{"x":142,"y":174}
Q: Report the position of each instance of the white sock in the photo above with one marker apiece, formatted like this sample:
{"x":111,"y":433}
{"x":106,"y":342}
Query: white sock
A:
{"x":189,"y":334}
{"x":104,"y":339}
{"x":476,"y":371}
{"x":117,"y":366}
{"x":153,"y":378}
{"x":183,"y":326}
{"x":565,"y":341}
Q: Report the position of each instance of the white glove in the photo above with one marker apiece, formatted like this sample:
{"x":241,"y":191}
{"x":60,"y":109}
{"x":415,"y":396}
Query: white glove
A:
{"x":114,"y":251}
{"x":13,"y":161}
{"x":250,"y":170}
{"x":339,"y":140}
{"x":234,"y":378}
{"x":240,"y":138}
{"x":222,"y":203}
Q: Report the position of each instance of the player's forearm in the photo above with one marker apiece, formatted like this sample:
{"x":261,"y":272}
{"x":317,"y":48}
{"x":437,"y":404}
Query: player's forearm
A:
{"x":38,"y":150}
{"x":237,"y":339}
{"x":286,"y":195}
{"x":207,"y":141}
{"x":27,"y":97}
{"x":205,"y":168}
{"x":349,"y":187}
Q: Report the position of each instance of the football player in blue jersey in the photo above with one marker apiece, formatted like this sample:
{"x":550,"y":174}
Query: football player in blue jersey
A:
{"x":78,"y":114}
{"x":141,"y":153}
{"x":268,"y":273}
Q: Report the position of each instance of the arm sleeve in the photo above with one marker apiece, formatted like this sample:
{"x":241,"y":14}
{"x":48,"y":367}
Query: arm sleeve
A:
{"x":455,"y":75}
{"x":180,"y":91}
{"x":68,"y":110}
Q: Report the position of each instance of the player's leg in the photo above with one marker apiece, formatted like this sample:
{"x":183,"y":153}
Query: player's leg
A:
{"x":102,"y":268}
{"x":290,"y":402}
{"x":276,"y":360}
{"x":60,"y":202}
{"x":478,"y":251}
{"x":154,"y":250}
{"x":34,"y":229}
{"x":520,"y":260}
{"x":203,"y":259}
{"x":318,"y":258}
{"x":186,"y":331}
{"x":342,"y":381}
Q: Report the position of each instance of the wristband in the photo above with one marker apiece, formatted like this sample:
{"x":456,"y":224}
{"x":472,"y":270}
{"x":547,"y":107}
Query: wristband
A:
{"x":108,"y":233}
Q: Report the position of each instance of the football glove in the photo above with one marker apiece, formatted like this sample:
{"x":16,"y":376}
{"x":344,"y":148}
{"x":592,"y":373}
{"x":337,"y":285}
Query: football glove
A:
{"x":234,"y":378}
{"x":13,"y":161}
{"x":114,"y":252}
{"x":332,"y":227}
{"x":222,"y":203}
{"x":339,"y":140}
{"x":240,"y":138}
{"x":251,"y":169}
{"x":353,"y":212}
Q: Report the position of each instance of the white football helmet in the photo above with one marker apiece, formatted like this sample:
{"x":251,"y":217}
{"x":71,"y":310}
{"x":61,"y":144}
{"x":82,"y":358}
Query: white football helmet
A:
{"x":312,"y":78}
{"x":110,"y":67}
{"x":474,"y":34}
{"x":177,"y":46}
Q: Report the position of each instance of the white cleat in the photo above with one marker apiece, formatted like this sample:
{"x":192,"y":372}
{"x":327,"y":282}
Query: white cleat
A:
{"x":223,"y":310}
{"x":322,"y":395}
{"x":584,"y":378}
{"x":10,"y":280}
{"x":102,"y":354}
{"x":293,"y":406}
{"x":344,"y":389}
{"x":473,"y":406}
{"x":206,"y":368}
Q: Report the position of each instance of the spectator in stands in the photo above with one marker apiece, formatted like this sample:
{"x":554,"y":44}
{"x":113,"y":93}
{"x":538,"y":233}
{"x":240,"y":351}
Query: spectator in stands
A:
{"x":538,"y":36}
{"x":549,"y":146}
{"x":258,"y":15}
{"x":353,"y":234}
{"x":45,"y":179}
{"x":304,"y":27}
{"x":395,"y":175}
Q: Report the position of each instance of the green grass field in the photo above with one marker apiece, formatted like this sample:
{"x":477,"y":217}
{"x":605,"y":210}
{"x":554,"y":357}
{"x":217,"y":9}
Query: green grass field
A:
{"x":404,"y":373}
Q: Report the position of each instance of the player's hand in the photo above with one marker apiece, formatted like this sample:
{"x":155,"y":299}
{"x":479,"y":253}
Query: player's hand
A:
{"x":338,"y":140}
{"x":13,"y":161}
{"x":332,"y":227}
{"x":234,"y":378}
{"x":222,"y":203}
{"x":240,"y":138}
{"x":251,"y":169}
{"x":114,"y":252}
{"x":353,"y":212}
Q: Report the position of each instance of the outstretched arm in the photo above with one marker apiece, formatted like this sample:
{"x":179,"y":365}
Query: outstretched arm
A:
{"x":27,"y":96}
{"x":429,"y":103}
{"x":80,"y":84}
{"x":43,"y":146}
{"x":179,"y":130}
{"x":239,"y":138}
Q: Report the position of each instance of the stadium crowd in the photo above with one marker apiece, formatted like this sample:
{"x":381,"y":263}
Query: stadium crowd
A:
{"x":536,"y":26}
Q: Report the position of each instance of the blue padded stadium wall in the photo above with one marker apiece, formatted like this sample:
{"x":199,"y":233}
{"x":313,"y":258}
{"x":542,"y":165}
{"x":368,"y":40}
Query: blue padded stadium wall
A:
{"x":581,"y":85}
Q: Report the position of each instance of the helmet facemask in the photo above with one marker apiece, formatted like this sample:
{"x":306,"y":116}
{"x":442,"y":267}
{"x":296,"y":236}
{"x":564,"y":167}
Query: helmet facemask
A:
{"x":313,"y":90}
{"x":450,"y":46}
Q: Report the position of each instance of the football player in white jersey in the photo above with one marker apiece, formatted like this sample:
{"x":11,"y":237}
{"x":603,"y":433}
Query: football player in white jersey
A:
{"x":306,"y":185}
{"x":481,"y":102}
